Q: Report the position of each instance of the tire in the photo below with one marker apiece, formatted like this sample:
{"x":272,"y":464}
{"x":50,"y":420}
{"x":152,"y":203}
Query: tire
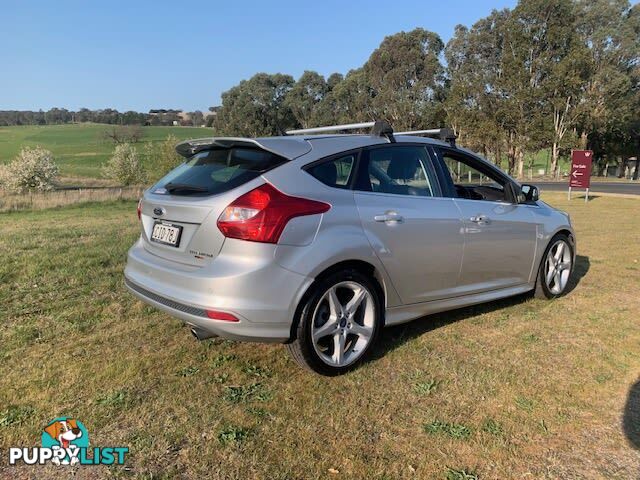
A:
{"x":350,"y":317}
{"x":550,"y":285}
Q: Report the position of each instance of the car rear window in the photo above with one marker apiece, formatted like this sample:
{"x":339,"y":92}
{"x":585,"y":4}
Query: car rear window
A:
{"x":217,"y":170}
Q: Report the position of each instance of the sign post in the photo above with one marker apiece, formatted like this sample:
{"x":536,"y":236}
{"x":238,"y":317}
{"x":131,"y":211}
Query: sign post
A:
{"x":580,"y":176}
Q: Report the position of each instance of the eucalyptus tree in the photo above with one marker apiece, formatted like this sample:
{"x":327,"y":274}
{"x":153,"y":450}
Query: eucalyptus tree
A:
{"x":305,"y":96}
{"x":610,"y":29}
{"x":540,"y":51}
{"x":256,"y":107}
{"x":406,"y":79}
{"x":563,"y":69}
{"x":474,"y":57}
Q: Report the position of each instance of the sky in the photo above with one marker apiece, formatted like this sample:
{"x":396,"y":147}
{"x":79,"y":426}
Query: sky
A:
{"x":142,"y":54}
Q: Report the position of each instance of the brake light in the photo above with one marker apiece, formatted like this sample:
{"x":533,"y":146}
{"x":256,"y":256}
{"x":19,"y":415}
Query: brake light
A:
{"x":261,"y":214}
{"x":139,"y":209}
{"x":224,"y":316}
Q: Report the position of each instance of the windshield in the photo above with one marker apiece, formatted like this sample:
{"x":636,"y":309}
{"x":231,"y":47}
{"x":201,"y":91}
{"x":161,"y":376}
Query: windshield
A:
{"x":217,"y":170}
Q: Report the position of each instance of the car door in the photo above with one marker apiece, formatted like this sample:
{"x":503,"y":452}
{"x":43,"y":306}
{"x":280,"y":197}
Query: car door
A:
{"x":500,"y":234}
{"x":414,"y":230}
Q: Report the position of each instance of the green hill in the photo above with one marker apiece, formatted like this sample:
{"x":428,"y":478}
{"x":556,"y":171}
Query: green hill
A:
{"x":80,"y":149}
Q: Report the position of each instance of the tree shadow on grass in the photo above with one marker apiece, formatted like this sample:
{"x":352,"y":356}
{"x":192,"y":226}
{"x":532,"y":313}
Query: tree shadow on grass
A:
{"x":393,"y":337}
{"x":631,"y":416}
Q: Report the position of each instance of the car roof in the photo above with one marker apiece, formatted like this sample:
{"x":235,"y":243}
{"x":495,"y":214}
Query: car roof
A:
{"x":294,"y":146}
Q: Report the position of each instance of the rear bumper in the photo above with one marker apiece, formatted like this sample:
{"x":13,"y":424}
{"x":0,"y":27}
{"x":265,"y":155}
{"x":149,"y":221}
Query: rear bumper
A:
{"x":260,"y":293}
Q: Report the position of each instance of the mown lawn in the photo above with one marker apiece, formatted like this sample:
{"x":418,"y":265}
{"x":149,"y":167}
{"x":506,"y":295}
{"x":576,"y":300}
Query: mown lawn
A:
{"x":81,"y":149}
{"x":519,"y":388}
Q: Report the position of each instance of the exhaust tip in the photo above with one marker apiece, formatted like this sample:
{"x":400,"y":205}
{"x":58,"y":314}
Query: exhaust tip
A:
{"x":201,"y":334}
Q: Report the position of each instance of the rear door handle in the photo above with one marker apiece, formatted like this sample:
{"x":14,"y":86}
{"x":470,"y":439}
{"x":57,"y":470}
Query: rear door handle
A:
{"x":480,"y":219}
{"x":390,"y":217}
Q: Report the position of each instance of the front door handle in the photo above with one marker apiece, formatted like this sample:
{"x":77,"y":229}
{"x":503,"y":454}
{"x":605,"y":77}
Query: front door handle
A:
{"x":389,"y":217}
{"x":480,"y":219}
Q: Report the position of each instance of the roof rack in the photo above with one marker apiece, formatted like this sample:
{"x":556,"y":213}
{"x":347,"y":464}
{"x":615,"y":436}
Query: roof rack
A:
{"x":444,"y":134}
{"x":380,"y":128}
{"x":331,"y":128}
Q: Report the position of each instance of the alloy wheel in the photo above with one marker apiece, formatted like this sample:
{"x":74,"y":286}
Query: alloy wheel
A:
{"x":343,"y":323}
{"x":558,"y":267}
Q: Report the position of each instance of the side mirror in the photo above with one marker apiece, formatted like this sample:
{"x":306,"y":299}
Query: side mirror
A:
{"x":529,"y":193}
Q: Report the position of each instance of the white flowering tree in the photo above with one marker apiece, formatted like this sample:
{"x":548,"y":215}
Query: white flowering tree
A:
{"x":161,"y":157}
{"x":125,"y":166}
{"x":32,"y":170}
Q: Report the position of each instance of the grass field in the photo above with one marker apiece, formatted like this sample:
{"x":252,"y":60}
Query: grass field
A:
{"x":519,"y":388}
{"x":80,"y":149}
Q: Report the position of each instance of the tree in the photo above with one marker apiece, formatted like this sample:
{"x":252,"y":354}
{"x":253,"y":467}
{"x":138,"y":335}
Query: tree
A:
{"x":558,"y":67}
{"x":348,"y":101}
{"x":161,"y":157}
{"x":32,"y":170}
{"x":125,"y":166}
{"x":305,"y":96}
{"x":123,"y":134}
{"x":197,"y":118}
{"x":610,"y":31}
{"x":406,"y":79}
{"x":474,"y":98}
{"x":256,"y":107}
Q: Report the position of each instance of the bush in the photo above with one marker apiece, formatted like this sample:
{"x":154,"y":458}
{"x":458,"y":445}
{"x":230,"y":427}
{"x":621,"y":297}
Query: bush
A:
{"x":32,"y":170}
{"x":124,"y":166}
{"x":161,"y":157}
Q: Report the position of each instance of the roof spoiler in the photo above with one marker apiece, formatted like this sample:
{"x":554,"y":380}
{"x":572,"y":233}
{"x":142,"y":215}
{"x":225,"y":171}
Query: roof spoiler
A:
{"x":283,"y":147}
{"x":380,"y":128}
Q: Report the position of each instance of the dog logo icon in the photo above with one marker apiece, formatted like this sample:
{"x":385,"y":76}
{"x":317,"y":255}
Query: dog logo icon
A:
{"x":67,"y":434}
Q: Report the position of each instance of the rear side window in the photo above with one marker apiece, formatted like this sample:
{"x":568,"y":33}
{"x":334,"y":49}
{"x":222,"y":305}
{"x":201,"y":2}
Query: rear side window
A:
{"x":336,"y":172}
{"x":217,"y":170}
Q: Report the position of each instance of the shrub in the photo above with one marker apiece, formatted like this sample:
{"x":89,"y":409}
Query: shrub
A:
{"x":32,"y":170}
{"x":161,"y":157}
{"x":124,"y":166}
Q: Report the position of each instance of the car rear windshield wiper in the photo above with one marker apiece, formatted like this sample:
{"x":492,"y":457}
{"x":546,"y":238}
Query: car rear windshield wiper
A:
{"x":184,"y":187}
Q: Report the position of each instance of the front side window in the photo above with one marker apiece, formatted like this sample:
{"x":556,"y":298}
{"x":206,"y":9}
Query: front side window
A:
{"x":399,"y":170}
{"x":217,"y":170}
{"x":471,"y":183}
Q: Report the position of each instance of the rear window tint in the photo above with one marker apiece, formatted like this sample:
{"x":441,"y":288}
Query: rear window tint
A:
{"x":217,"y":170}
{"x":335,"y":173}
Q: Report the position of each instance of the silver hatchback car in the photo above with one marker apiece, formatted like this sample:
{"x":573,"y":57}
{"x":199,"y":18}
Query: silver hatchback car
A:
{"x":318,"y":240}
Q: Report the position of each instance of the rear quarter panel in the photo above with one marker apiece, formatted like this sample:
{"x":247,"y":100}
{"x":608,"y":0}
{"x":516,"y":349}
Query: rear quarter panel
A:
{"x":338,"y":237}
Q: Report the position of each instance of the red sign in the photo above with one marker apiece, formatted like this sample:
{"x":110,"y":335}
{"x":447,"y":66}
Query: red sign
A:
{"x":580,"y":175}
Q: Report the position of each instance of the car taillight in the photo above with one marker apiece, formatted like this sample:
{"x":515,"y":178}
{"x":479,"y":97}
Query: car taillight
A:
{"x":139,"y":209}
{"x":261,"y":214}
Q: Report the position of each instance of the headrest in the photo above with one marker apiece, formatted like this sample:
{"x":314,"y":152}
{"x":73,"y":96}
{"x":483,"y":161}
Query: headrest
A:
{"x":327,"y":173}
{"x":403,"y":165}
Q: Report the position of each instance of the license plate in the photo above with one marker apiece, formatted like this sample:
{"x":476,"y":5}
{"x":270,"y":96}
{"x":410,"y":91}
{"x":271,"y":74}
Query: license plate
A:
{"x":166,"y":233}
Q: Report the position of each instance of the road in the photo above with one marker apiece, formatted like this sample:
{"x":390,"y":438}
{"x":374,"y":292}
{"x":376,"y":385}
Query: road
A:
{"x":628,"y":188}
